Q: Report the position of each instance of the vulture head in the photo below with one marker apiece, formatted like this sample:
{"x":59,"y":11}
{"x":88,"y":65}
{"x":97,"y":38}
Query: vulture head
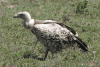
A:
{"x":23,"y":15}
{"x":28,"y":22}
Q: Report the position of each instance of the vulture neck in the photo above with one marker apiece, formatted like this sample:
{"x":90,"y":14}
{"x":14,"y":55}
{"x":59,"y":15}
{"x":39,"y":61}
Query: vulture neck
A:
{"x":27,"y":19}
{"x":28,"y":22}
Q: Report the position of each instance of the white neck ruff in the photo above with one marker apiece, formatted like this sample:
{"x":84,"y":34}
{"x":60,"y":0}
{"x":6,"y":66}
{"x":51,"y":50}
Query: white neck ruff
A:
{"x":29,"y":24}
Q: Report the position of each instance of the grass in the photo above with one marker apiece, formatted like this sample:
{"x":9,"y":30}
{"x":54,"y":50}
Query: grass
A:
{"x":17,"y":43}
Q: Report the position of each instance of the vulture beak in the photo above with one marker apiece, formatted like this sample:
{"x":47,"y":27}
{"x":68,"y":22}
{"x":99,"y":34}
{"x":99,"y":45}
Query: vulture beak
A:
{"x":15,"y":16}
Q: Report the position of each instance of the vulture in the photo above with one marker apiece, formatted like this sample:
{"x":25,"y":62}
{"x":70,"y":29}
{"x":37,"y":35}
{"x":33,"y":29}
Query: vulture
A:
{"x":53,"y":35}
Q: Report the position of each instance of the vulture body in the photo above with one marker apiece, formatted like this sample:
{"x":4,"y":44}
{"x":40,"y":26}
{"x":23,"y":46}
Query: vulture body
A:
{"x":53,"y":35}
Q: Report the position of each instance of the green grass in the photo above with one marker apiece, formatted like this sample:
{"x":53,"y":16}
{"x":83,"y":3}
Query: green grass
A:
{"x":17,"y":43}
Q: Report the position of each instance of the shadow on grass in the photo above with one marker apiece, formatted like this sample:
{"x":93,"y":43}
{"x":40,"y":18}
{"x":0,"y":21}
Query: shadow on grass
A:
{"x":30,"y":55}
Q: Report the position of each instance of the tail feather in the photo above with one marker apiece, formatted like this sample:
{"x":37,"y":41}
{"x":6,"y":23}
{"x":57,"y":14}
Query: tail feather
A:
{"x":81,"y":44}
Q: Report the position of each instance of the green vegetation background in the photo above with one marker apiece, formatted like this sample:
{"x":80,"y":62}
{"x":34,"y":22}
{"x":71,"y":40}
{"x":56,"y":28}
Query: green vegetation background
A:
{"x":17,"y":43}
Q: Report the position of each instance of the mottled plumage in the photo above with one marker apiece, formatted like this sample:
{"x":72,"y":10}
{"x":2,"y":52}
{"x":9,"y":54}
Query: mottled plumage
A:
{"x":53,"y":35}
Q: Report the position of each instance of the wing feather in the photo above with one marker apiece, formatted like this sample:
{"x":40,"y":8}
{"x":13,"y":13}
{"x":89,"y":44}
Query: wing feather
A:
{"x":69,"y":28}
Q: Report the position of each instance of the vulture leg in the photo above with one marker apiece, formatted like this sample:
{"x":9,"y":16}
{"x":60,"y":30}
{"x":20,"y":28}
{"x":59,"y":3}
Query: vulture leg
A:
{"x":46,"y":53}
